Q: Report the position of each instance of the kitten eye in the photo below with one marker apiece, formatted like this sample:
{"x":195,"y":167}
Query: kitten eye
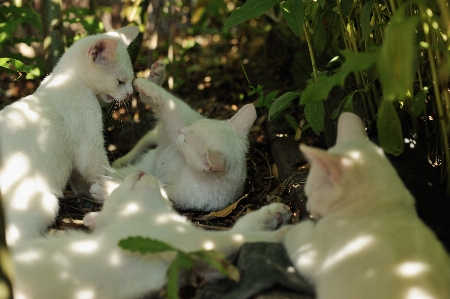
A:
{"x":120,"y":82}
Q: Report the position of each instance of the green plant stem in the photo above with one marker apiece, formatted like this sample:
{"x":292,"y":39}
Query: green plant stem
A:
{"x":311,"y":52}
{"x":350,"y":43}
{"x":53,"y":31}
{"x":444,"y":10}
{"x":439,"y":108}
{"x":380,"y":36}
{"x":392,"y":6}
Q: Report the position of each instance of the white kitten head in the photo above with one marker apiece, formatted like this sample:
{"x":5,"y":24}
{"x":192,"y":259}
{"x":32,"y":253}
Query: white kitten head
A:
{"x":214,"y":146}
{"x":355,"y":170}
{"x":102,"y":62}
{"x":139,"y":193}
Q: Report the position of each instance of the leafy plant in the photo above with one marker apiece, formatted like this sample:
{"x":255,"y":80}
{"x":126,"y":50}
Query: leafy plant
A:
{"x":183,"y":260}
{"x":85,"y":17}
{"x":15,"y":65}
{"x":11,"y":17}
{"x":396,"y":51}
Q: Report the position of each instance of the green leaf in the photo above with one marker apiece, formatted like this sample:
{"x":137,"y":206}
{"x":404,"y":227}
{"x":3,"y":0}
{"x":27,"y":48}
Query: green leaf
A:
{"x":292,"y":122}
{"x":145,"y":245}
{"x":397,"y":63}
{"x":346,"y":7}
{"x":308,"y":6}
{"x":345,"y":105}
{"x":418,"y":103}
{"x":364,"y":20}
{"x":16,"y":65}
{"x":271,"y":95}
{"x":249,"y":10}
{"x":294,"y":14}
{"x":319,"y":38}
{"x":319,"y":90}
{"x":257,"y":90}
{"x":266,"y":101}
{"x":322,"y":3}
{"x":282,"y":103}
{"x":181,"y":261}
{"x":389,"y":129}
{"x":315,"y":115}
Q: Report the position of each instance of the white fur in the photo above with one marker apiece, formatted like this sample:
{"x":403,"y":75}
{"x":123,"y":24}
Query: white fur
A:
{"x":82,"y":265}
{"x":57,"y":131}
{"x":200,"y":162}
{"x":368,"y":241}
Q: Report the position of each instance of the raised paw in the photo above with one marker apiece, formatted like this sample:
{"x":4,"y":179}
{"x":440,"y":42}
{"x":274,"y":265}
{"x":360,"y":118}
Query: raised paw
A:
{"x":267,"y":218}
{"x":103,"y":188}
{"x":158,"y":72}
{"x":148,"y":91}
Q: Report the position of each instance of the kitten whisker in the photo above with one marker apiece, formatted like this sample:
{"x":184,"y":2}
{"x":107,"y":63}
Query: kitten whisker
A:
{"x":210,"y":110}
{"x":120,"y":173}
{"x":109,"y":168}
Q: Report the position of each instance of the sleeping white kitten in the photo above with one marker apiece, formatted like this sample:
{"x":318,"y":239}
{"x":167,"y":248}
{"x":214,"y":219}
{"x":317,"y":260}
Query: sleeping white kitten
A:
{"x":91,"y":265}
{"x":57,"y":132}
{"x":368,"y":241}
{"x":200,"y":162}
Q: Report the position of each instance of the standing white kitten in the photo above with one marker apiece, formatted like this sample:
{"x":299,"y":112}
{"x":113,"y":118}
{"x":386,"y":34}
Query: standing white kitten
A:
{"x":82,"y":265}
{"x":57,"y":132}
{"x":368,"y":241}
{"x":200,"y":162}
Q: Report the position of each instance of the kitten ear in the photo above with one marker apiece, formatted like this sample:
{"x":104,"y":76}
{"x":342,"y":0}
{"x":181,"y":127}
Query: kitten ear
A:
{"x":103,"y":50}
{"x":350,"y":127}
{"x":125,"y":34}
{"x":330,"y":164}
{"x":244,"y":119}
{"x":89,"y":220}
{"x":214,"y":160}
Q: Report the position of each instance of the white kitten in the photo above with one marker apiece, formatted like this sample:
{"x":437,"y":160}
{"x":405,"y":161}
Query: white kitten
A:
{"x":368,"y":241}
{"x":82,"y":265}
{"x":200,"y":162}
{"x":57,"y":131}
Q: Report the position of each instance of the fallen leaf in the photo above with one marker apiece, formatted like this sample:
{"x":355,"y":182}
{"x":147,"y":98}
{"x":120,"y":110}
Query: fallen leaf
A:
{"x":275,"y":170}
{"x":222,"y":213}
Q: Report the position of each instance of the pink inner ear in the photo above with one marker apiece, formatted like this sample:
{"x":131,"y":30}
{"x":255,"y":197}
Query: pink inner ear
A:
{"x":104,"y":49}
{"x":214,"y":160}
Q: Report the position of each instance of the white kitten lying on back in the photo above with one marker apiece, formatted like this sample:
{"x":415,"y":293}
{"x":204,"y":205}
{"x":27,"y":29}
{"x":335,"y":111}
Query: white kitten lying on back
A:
{"x":200,"y":162}
{"x":82,"y":265}
{"x":57,"y":132}
{"x":368,"y":241}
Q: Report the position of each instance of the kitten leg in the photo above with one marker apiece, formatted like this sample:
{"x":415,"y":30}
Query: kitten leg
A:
{"x":158,"y":72}
{"x":301,"y":249}
{"x":267,"y":218}
{"x":157,"y":75}
{"x":144,"y":144}
{"x":262,"y":225}
{"x":103,"y":188}
{"x":79,"y":185}
{"x":29,"y":212}
{"x":172,"y":112}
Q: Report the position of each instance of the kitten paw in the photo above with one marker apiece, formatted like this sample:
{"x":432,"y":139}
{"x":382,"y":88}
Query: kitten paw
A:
{"x":147,"y":89}
{"x":158,"y":72}
{"x":275,"y":215}
{"x":103,"y":188}
{"x":267,"y":218}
